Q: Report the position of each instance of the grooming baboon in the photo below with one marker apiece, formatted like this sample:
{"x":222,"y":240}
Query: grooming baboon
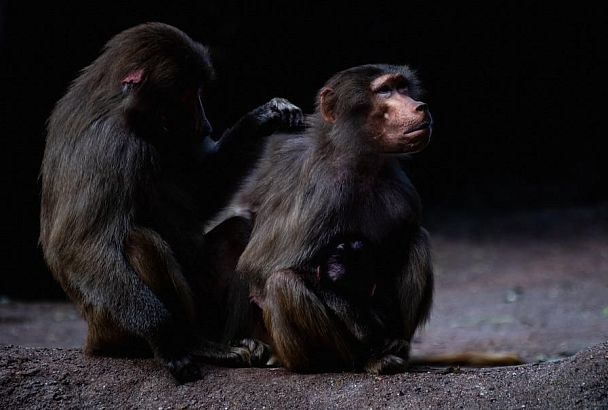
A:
{"x":129,"y":177}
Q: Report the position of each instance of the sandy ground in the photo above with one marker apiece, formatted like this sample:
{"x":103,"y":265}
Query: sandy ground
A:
{"x":534,"y":283}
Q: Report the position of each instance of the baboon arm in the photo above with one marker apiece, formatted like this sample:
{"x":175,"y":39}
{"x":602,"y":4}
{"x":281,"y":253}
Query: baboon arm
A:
{"x":295,"y":319}
{"x":415,"y":285}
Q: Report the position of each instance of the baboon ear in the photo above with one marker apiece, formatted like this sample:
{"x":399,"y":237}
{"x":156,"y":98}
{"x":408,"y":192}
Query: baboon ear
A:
{"x":327,"y":104}
{"x":135,"y":77}
{"x":137,"y":109}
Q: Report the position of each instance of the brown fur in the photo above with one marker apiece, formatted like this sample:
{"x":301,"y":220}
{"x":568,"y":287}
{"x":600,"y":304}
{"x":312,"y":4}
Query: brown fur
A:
{"x":335,"y":184}
{"x":129,"y":177}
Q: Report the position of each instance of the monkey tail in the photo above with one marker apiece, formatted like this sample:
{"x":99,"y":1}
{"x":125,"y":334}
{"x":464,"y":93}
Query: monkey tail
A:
{"x":468,"y":359}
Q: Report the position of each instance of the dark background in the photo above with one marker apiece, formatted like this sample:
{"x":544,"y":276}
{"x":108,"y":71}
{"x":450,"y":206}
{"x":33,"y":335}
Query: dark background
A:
{"x":517,"y":91}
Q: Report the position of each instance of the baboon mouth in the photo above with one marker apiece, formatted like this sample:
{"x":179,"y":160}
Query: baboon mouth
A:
{"x":417,"y":135}
{"x":422,"y":128}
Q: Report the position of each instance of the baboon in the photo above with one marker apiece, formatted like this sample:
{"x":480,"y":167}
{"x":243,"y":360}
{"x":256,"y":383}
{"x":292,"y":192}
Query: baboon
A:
{"x":336,"y":258}
{"x":129,"y":177}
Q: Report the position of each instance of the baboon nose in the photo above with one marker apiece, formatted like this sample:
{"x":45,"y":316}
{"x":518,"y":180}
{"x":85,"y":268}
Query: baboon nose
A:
{"x":421,"y":107}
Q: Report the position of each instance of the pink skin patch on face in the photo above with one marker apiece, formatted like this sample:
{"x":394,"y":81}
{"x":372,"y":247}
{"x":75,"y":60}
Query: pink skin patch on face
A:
{"x":134,"y":77}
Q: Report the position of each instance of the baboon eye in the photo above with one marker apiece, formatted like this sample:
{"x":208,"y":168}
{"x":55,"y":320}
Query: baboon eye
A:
{"x":384,"y":91}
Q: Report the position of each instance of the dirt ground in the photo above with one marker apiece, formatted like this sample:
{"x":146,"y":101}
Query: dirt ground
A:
{"x":534,"y":283}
